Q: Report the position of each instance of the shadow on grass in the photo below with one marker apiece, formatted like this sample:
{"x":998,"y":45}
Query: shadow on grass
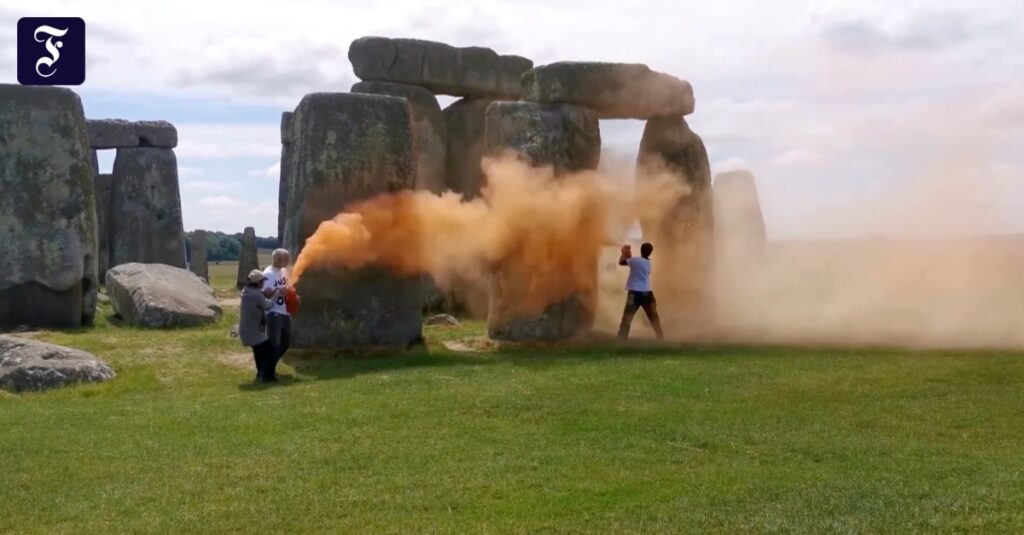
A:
{"x":326,"y":365}
{"x":323,"y":365}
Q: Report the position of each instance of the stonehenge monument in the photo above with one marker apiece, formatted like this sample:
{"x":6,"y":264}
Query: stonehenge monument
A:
{"x":248,"y":257}
{"x":549,"y":115}
{"x":47,"y":217}
{"x":348,"y":147}
{"x":387,"y":134}
{"x":138,"y":206}
{"x":197,"y":259}
{"x":145,"y":223}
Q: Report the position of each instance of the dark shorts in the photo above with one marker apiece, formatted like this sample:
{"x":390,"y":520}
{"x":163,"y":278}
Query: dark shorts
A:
{"x":639,"y":299}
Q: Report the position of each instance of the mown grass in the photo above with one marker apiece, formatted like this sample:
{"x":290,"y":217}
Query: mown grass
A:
{"x":598,"y":438}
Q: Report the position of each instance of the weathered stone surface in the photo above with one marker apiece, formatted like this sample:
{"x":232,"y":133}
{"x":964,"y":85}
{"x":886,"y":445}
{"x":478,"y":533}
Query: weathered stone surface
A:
{"x":739,"y":224}
{"x":349,"y":147}
{"x":559,"y":321}
{"x":122,"y":134}
{"x":248,"y":258}
{"x":31,"y":365}
{"x":441,"y":68}
{"x":197,"y":262}
{"x":683,"y":234}
{"x":47,"y":220}
{"x":158,"y":295}
{"x":104,"y":188}
{"x":465,"y":123}
{"x":157,"y":134}
{"x":94,"y":159}
{"x":442,"y":319}
{"x":145,"y":222}
{"x":564,"y":136}
{"x":287,"y":136}
{"x":429,"y":130}
{"x":613,"y":90}
{"x":112,"y":133}
{"x":285,"y":166}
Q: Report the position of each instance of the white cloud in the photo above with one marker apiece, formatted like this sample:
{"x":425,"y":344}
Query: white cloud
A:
{"x":730,"y":164}
{"x":185,"y":171}
{"x":228,"y":140}
{"x":208,"y":186}
{"x":795,"y":158}
{"x":272,"y":171}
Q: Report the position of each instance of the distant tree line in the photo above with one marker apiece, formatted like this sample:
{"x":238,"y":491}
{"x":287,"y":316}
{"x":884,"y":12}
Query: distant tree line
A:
{"x":227,"y":247}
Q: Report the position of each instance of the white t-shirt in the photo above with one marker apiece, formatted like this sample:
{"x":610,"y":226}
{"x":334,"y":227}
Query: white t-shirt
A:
{"x":276,"y":278}
{"x":639,"y":275}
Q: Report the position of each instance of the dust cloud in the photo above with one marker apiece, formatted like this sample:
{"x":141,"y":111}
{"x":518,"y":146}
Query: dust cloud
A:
{"x":526,"y":219}
{"x":921,"y":282}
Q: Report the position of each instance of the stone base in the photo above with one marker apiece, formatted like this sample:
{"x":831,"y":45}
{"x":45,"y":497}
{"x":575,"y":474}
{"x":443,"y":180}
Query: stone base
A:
{"x":35,"y":305}
{"x":559,"y":321}
{"x":366,"y":308}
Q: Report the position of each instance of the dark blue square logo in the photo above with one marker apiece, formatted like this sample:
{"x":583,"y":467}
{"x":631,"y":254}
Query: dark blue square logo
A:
{"x":51,"y":51}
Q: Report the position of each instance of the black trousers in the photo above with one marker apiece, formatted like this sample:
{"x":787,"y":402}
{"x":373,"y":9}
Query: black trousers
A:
{"x":279,"y":329}
{"x":263,"y":354}
{"x":637,"y":300}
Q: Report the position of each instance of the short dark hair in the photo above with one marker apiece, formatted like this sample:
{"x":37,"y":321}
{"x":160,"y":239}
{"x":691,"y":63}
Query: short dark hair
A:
{"x":646,"y":249}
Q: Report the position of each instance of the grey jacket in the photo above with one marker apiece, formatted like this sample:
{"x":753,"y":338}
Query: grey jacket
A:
{"x":252,"y":323}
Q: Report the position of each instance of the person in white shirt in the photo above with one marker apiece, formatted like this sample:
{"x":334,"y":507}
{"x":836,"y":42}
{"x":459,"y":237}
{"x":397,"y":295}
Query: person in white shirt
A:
{"x":638,"y":290}
{"x":279,"y":321}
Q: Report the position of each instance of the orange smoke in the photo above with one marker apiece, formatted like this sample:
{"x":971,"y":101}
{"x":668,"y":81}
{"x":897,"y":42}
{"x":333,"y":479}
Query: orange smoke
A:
{"x":528,"y":220}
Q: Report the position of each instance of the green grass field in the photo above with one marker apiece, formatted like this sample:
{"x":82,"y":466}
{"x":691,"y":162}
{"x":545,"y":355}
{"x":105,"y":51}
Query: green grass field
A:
{"x":598,"y":438}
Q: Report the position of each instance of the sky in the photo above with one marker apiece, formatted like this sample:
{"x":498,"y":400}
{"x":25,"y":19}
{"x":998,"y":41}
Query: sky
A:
{"x":834,"y":105}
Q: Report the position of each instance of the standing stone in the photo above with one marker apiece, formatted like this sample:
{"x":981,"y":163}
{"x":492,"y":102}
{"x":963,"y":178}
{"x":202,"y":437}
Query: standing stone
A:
{"x":248,"y":258}
{"x":739,"y":225}
{"x":145,"y":222}
{"x":682,"y":233}
{"x":465,"y":72}
{"x":104,"y":188}
{"x":350,"y":147}
{"x":47,"y":215}
{"x":465,"y":123}
{"x":568,"y":139}
{"x":285,"y":166}
{"x":197,"y":263}
{"x":429,"y":130}
{"x":613,"y":90}
{"x":94,"y":159}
